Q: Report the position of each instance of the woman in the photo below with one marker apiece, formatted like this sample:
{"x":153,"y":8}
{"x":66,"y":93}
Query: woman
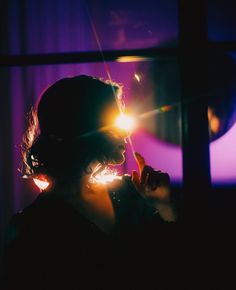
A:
{"x":66,"y":238}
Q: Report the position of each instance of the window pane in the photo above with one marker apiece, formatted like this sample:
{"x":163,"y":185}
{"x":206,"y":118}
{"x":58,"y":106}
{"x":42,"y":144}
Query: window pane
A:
{"x":221,"y":20}
{"x":66,"y":26}
{"x":135,"y":24}
{"x":222,"y":118}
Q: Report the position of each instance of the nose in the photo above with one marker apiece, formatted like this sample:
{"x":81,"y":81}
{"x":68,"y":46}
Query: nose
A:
{"x":126,"y":134}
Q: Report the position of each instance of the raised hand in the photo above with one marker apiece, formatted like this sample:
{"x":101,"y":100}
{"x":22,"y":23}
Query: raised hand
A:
{"x":154,"y":187}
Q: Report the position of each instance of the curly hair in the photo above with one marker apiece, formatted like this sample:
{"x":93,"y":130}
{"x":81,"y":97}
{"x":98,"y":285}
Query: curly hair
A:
{"x":63,"y":135}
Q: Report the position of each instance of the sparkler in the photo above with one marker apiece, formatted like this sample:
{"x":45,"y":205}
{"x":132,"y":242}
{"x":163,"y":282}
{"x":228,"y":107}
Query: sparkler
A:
{"x":104,"y":176}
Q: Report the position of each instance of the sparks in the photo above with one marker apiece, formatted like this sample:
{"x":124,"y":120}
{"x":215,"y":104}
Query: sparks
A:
{"x":104,"y":177}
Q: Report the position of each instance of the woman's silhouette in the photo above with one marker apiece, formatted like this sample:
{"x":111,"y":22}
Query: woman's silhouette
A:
{"x":78,"y":232}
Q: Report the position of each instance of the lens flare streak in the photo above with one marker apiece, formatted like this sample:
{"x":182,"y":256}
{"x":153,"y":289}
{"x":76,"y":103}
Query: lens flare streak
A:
{"x":162,"y":109}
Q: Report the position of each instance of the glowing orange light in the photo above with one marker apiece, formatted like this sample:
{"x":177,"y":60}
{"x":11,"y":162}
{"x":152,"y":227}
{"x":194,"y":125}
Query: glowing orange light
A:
{"x":214,"y":121}
{"x":41,"y":182}
{"x":125,"y":122}
{"x":131,"y":58}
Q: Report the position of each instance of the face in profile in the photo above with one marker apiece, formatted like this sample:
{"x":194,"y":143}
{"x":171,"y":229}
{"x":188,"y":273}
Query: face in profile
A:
{"x":117,"y":138}
{"x":115,"y":135}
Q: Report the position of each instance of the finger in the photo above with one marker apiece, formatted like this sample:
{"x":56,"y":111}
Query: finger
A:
{"x":140,"y":161}
{"x":147,"y":170}
{"x":135,"y":179}
{"x":164,"y":178}
{"x":152,"y":182}
{"x":146,"y":179}
{"x":158,"y":179}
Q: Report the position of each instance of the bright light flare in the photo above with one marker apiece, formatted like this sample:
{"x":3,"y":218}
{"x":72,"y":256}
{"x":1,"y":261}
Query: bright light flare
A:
{"x":137,"y":77}
{"x":41,"y":182}
{"x":125,"y":122}
{"x":104,"y":177}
